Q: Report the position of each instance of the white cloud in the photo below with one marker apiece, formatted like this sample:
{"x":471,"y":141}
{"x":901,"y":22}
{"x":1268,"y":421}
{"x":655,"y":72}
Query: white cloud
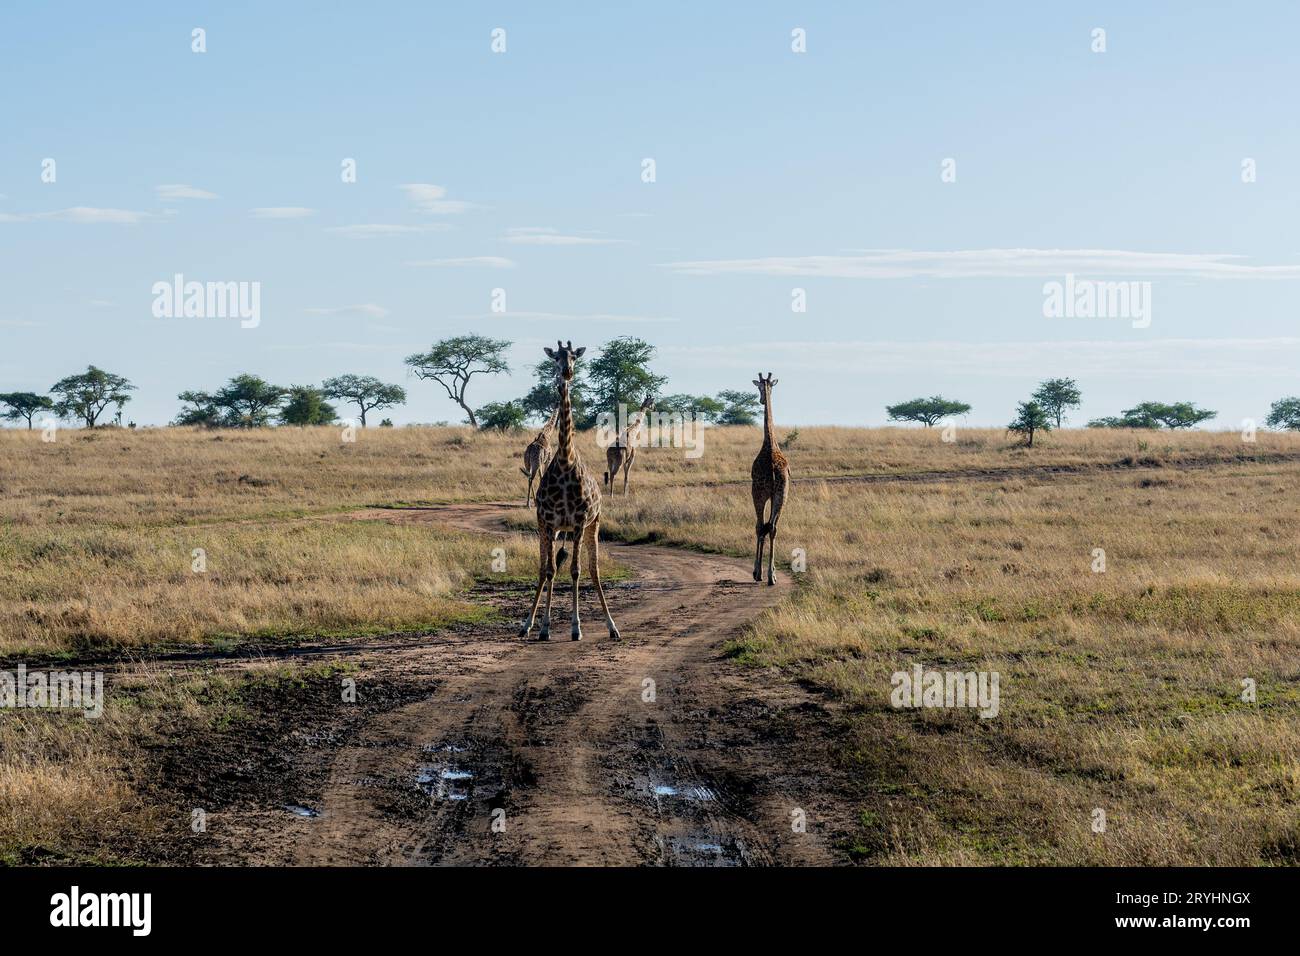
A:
{"x":992,"y":263}
{"x":81,"y":214}
{"x":172,"y":191}
{"x":544,"y":236}
{"x":568,"y":317}
{"x":376,"y":230}
{"x":1140,"y":357}
{"x":432,"y":199}
{"x":367,"y":310}
{"x":491,"y":262}
{"x":18,"y":324}
{"x":281,"y":212}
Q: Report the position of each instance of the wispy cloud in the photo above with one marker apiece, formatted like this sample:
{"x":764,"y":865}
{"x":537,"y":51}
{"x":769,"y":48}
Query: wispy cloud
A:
{"x":432,"y":199}
{"x":81,"y":214}
{"x":569,"y":317}
{"x":281,"y":212}
{"x":18,"y":324}
{"x":545,"y":236}
{"x":933,"y":361}
{"x":367,"y":310}
{"x":490,"y":262}
{"x":377,"y":230}
{"x":173,"y":191}
{"x":992,"y":263}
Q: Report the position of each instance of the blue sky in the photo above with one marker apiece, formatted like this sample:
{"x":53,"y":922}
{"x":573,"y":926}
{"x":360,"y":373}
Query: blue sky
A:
{"x":774,"y":170}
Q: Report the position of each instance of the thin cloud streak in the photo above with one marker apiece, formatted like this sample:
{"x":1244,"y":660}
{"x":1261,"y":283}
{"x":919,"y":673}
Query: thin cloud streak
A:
{"x":281,"y":212}
{"x":491,"y":262}
{"x":173,"y":191}
{"x":82,"y":214}
{"x":367,"y":310}
{"x":546,"y":236}
{"x":1183,"y":358}
{"x":379,"y":230}
{"x":991,"y":263}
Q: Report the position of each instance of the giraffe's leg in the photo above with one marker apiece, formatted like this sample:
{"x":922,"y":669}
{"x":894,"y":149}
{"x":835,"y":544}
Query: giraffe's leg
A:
{"x":627,"y":470}
{"x":760,"y":533}
{"x":528,"y":495}
{"x":579,"y":526}
{"x":593,"y":569}
{"x":778,"y":499}
{"x":545,"y":633}
{"x":545,"y":572}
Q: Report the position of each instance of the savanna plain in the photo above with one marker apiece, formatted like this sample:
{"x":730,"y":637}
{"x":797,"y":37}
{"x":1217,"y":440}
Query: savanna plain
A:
{"x":1126,"y":585}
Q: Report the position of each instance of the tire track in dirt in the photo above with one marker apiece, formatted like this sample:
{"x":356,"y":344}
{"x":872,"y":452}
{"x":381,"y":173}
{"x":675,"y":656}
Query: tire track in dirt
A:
{"x":556,"y":745}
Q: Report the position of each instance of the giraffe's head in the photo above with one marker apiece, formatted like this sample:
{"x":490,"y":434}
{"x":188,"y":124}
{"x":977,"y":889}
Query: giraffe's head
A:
{"x":765,"y":386}
{"x":648,"y":404}
{"x":564,"y":357}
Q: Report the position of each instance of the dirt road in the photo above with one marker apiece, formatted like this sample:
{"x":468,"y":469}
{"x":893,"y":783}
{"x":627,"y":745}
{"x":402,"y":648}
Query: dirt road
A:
{"x":653,"y":749}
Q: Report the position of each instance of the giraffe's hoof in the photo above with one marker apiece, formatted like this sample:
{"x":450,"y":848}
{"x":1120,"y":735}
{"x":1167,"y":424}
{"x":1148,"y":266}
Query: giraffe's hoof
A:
{"x":577,"y":635}
{"x":771,"y":582}
{"x":758,"y":576}
{"x":614,"y":635}
{"x":544,"y":636}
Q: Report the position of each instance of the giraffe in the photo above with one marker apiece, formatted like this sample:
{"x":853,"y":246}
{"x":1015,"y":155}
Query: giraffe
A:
{"x":536,"y":455}
{"x":623,"y":451}
{"x":568,"y":499}
{"x":770,"y":475}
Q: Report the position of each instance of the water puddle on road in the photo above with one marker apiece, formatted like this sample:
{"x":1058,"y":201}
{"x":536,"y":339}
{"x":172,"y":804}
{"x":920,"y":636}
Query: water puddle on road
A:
{"x":443,"y":748}
{"x":444,"y":781}
{"x":300,"y":811}
{"x":702,"y":850}
{"x":661,"y":789}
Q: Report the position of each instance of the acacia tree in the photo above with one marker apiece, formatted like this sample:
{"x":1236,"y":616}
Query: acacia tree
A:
{"x":502,"y":416}
{"x":307,"y":406}
{"x":364,"y":391}
{"x":620,"y":374}
{"x":1183,"y":415}
{"x":246,"y":401}
{"x":739,"y":407}
{"x":1030,"y":419}
{"x":1284,"y":413}
{"x":1156,"y":415}
{"x":1056,"y":395}
{"x":453,"y":362}
{"x":928,"y":411}
{"x":85,"y":396}
{"x":25,"y":405}
{"x":544,"y":395}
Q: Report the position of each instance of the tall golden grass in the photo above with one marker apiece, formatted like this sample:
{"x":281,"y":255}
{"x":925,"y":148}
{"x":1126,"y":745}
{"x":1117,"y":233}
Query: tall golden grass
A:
{"x":1121,"y":691}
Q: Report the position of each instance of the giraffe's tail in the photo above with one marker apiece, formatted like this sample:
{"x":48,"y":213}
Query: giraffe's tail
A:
{"x":563,"y":554}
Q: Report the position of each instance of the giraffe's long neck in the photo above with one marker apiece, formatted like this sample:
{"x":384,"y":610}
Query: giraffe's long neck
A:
{"x":769,"y":439}
{"x":634,"y":428}
{"x":564,"y":417}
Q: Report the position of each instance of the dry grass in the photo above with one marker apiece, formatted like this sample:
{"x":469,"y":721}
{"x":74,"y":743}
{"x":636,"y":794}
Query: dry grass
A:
{"x":1120,"y":691}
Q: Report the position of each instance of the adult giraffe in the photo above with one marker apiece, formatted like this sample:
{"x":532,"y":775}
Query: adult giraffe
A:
{"x":568,"y":499}
{"x":536,"y":455}
{"x":770,"y":477}
{"x":622,"y":453}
